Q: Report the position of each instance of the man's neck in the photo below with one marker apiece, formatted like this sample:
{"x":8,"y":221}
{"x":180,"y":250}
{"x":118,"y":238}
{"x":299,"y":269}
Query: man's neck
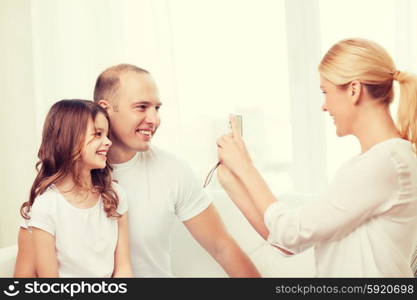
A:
{"x":118,"y":155}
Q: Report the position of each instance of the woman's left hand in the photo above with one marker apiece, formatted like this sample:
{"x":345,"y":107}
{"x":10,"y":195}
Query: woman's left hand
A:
{"x":232,"y":151}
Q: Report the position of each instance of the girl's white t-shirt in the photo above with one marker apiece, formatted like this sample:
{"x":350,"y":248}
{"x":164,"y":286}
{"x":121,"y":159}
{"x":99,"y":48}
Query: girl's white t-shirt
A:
{"x":365,"y":225}
{"x":85,"y":239}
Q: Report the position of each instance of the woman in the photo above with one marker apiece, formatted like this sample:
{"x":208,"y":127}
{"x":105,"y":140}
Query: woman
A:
{"x":365,"y":225}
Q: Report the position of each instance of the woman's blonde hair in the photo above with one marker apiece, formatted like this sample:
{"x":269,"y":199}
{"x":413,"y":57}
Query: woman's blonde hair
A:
{"x":370,"y":64}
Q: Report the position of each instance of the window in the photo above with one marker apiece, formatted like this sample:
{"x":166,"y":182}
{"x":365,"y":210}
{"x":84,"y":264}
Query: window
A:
{"x":231,"y":56}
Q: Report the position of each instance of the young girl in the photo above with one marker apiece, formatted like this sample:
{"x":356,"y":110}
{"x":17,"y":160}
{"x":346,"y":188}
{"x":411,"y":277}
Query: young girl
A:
{"x":365,"y":225}
{"x":76,"y":215}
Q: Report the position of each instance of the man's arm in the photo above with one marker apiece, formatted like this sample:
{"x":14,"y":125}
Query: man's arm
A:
{"x":208,"y":229}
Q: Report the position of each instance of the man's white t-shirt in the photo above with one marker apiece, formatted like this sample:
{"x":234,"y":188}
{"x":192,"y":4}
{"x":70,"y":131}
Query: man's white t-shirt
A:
{"x":85,"y":238}
{"x":160,"y":189}
{"x":365,"y":225}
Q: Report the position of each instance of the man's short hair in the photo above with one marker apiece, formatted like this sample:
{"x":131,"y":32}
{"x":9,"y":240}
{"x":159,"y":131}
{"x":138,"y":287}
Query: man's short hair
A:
{"x":109,"y":80}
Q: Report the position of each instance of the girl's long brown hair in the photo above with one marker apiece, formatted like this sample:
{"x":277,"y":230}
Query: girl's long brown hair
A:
{"x":63,"y":137}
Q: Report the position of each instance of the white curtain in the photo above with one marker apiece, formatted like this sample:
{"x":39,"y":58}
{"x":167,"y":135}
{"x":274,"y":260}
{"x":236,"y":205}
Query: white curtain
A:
{"x":209,"y":57}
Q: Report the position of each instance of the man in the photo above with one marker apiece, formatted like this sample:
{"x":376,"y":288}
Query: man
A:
{"x":160,"y":187}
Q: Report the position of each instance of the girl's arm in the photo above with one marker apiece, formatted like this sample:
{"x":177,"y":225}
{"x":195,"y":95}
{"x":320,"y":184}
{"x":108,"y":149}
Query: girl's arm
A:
{"x":25,"y":261}
{"x":46,"y":262}
{"x":122,"y":265}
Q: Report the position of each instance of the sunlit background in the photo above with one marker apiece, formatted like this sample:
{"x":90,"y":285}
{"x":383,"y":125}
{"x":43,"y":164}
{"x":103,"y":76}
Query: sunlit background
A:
{"x":210,"y":58}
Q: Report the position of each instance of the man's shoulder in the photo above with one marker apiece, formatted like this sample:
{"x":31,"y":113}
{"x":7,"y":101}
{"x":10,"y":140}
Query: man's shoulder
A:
{"x":117,"y":187}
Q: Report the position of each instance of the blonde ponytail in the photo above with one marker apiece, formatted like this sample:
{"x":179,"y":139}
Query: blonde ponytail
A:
{"x":407,"y":108}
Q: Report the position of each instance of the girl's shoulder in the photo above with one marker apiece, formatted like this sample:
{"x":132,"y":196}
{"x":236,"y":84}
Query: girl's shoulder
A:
{"x":49,"y":196}
{"x":46,"y":203}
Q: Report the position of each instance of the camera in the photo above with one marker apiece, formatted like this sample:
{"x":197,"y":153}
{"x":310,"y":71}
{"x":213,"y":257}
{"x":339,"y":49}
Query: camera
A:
{"x":239,"y":121}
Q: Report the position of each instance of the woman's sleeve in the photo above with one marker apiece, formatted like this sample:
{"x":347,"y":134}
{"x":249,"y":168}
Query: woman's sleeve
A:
{"x":355,"y":195}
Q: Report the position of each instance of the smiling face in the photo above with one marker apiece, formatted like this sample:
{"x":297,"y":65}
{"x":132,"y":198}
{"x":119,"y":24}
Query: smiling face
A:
{"x":135,"y":115}
{"x":340,"y":105}
{"x":97,"y":144}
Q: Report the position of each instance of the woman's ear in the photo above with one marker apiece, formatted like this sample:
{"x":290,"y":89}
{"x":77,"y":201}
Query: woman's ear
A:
{"x":355,"y":90}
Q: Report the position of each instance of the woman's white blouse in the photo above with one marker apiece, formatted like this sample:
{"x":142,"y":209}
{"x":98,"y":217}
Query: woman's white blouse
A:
{"x":365,"y":225}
